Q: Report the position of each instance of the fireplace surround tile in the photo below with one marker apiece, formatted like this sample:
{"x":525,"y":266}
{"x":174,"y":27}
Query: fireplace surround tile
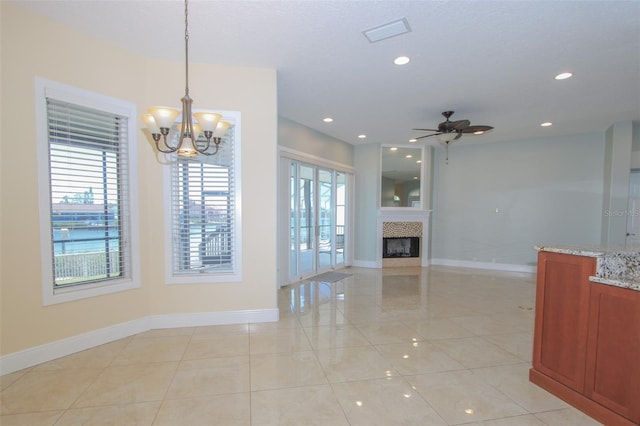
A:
{"x":401,"y":229}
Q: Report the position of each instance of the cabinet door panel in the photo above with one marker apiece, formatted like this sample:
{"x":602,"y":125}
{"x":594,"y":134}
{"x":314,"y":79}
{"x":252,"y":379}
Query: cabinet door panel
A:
{"x":562,"y":301}
{"x":613,"y":364}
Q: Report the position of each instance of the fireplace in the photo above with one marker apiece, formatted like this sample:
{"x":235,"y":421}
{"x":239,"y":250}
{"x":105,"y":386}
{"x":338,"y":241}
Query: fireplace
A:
{"x":411,"y":226}
{"x":394,"y":247}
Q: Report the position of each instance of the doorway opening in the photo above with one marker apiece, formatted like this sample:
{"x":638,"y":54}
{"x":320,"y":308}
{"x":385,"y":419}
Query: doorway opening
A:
{"x":317,"y":226}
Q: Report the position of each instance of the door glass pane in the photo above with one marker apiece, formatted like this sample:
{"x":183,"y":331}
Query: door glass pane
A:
{"x":306,"y":216}
{"x":341,"y":216}
{"x":325,"y":221}
{"x":293,"y":221}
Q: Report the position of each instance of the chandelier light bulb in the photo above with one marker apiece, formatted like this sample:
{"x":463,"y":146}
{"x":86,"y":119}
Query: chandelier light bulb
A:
{"x":150,"y":122}
{"x":221,"y":129}
{"x":164,"y":116}
{"x":207,"y":120}
{"x":187,"y":149}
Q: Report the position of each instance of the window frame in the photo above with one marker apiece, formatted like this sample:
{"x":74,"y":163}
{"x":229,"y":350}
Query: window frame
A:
{"x":50,"y":294}
{"x":202,"y":277}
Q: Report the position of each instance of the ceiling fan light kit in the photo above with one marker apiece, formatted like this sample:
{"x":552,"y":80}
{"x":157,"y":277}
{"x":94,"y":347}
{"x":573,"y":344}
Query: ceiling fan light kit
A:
{"x":449,"y":131}
{"x":448,"y":137}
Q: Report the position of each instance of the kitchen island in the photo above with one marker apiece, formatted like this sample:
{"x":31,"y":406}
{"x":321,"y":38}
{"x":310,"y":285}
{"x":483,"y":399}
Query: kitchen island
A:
{"x":586,"y":347}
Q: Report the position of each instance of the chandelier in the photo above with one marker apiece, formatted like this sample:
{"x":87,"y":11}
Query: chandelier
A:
{"x":160,"y":120}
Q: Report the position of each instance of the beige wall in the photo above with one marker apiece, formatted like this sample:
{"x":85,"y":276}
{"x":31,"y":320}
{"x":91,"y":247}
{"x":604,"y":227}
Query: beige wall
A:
{"x":34,"y":46}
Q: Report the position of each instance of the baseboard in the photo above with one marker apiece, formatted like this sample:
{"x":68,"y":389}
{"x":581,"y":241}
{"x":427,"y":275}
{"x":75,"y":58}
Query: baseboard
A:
{"x":70,"y":345}
{"x":578,"y":400}
{"x":507,"y":267}
{"x":199,"y":319}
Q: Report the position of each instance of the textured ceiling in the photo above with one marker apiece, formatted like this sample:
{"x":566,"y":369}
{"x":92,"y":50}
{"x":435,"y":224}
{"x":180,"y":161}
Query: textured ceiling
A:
{"x":493,"y":62}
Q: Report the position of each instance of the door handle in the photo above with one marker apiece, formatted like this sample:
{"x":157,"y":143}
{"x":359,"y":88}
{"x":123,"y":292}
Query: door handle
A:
{"x":628,"y":234}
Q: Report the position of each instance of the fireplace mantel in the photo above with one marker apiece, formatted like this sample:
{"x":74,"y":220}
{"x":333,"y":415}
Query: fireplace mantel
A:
{"x":404,"y":215}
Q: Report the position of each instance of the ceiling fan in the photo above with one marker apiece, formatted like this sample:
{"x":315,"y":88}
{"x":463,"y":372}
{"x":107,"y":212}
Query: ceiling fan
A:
{"x":449,"y":131}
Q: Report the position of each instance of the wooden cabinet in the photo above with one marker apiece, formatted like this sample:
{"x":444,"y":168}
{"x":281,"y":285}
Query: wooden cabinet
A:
{"x":613,"y":351}
{"x":586,"y":347}
{"x":562,"y":317}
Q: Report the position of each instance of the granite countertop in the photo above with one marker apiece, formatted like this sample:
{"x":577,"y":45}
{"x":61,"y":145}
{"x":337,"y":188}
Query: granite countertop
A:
{"x":616,"y":265}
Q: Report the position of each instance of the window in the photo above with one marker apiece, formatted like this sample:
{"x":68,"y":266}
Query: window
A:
{"x":85,"y":152}
{"x":202,"y":214}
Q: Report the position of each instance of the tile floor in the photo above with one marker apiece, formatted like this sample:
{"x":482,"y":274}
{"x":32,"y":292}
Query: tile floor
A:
{"x":398,"y":346}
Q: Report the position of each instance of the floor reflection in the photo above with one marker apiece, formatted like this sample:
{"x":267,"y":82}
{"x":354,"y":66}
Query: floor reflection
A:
{"x":393,"y":346}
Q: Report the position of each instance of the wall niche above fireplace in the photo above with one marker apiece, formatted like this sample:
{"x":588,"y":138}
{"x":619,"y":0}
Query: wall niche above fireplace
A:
{"x":401,"y":170}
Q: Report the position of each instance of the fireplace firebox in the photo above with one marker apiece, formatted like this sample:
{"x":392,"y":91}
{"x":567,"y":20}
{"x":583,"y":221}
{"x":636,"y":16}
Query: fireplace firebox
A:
{"x":400,"y":247}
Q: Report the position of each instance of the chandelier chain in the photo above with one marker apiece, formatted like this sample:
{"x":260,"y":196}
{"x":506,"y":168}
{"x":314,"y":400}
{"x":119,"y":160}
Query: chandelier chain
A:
{"x":186,"y":45}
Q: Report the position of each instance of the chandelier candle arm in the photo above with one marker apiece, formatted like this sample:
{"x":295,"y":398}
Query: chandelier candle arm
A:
{"x":160,"y":120}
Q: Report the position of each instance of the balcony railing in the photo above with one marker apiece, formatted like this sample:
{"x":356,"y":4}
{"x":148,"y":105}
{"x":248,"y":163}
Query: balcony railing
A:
{"x":75,"y":268}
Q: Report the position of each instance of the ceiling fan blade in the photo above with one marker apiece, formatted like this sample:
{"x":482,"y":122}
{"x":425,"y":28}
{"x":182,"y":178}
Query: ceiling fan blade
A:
{"x":426,"y":136}
{"x":458,"y":136}
{"x":427,"y":130}
{"x":460,"y":124}
{"x":477,"y":128}
{"x":451,"y":126}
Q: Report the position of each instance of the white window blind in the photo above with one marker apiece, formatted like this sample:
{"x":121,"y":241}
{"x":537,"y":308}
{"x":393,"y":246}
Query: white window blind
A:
{"x":88,"y":160}
{"x":203,"y":212}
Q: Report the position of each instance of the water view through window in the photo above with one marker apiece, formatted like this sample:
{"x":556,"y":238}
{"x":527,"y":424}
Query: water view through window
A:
{"x":86,"y":184}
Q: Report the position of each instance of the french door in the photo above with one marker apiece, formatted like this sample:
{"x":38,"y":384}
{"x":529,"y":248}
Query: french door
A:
{"x":317,"y":219}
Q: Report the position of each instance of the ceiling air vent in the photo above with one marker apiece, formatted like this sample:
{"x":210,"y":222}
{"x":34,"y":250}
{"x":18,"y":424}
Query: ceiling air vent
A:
{"x":388,"y":30}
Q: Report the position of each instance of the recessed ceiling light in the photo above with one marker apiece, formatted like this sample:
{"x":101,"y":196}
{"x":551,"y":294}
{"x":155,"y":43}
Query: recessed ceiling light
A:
{"x":328,"y":120}
{"x":393,"y":149}
{"x":401,"y":60}
{"x":419,"y":161}
{"x":409,"y":156}
{"x":362,"y":136}
{"x":563,"y":76}
{"x":413,"y":140}
{"x":546,"y":124}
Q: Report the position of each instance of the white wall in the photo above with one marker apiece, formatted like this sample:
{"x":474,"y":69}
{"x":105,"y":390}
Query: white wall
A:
{"x":635,"y":147}
{"x":617,"y":167}
{"x":303,"y":139}
{"x":494,"y":202}
{"x":367,"y":163}
{"x":635,"y":142}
